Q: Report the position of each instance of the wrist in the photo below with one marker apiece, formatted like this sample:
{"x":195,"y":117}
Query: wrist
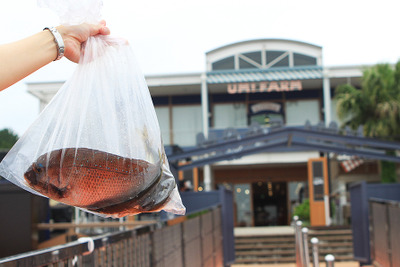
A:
{"x":58,"y":41}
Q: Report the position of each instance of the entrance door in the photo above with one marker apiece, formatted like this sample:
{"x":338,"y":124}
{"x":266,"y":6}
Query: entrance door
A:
{"x":270,"y":203}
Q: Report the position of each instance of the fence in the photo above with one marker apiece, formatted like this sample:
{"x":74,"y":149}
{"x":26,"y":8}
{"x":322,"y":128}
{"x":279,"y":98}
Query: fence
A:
{"x":360,"y":193}
{"x":385,"y":232}
{"x":192,"y":240}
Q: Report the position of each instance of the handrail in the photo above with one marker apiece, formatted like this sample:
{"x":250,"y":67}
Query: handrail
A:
{"x":133,"y":245}
{"x":302,"y":247}
{"x":47,"y":226}
{"x":71,"y":249}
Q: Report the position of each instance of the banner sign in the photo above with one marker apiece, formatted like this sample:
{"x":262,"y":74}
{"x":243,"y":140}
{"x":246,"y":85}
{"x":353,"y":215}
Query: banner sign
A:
{"x":268,"y":87}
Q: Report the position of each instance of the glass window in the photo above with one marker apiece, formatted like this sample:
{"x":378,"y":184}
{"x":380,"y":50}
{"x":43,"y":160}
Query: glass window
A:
{"x":246,"y":65}
{"x":284,"y":62}
{"x":187,"y":123}
{"x":303,"y":60}
{"x":297,"y":192}
{"x":298,"y":112}
{"x":224,"y":64}
{"x":242,"y":196}
{"x":256,"y":56}
{"x":334,"y":116}
{"x":163,"y":121}
{"x":272,"y":55}
{"x":230,"y":115}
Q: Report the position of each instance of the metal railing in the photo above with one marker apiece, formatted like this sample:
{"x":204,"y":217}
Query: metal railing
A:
{"x":385,"y":232}
{"x":302,"y":247}
{"x":195,"y":238}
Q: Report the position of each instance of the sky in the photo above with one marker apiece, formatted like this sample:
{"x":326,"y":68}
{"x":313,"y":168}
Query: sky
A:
{"x":172,"y":36}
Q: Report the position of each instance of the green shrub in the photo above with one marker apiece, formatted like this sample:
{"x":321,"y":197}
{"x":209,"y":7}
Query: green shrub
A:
{"x":303,"y":211}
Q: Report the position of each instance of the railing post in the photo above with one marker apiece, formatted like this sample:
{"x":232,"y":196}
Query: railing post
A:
{"x":298,"y":240}
{"x":295,"y":219}
{"x":306,"y":252}
{"x":315,"y":253}
{"x":330,"y":260}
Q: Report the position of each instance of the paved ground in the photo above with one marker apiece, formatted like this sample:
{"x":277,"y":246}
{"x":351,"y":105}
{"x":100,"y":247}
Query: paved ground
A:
{"x":337,"y":264}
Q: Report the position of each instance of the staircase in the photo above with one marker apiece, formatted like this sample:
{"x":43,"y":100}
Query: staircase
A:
{"x":260,"y":245}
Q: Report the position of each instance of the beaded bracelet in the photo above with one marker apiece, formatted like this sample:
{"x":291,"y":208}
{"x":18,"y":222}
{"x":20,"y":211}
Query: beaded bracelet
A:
{"x":58,"y":40}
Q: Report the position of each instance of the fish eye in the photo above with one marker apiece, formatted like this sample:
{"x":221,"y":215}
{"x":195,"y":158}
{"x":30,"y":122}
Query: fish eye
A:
{"x":38,"y":168}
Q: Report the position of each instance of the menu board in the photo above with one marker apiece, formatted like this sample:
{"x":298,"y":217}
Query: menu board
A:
{"x":318,"y":180}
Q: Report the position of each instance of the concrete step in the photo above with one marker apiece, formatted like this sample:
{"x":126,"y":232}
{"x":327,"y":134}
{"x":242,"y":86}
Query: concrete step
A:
{"x":269,"y":247}
{"x":337,"y":251}
{"x":264,"y":246}
{"x":258,"y":246}
{"x":264,"y":239}
{"x":282,"y":260}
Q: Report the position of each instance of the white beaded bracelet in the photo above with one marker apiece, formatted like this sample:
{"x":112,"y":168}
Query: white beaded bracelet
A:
{"x":58,"y":40}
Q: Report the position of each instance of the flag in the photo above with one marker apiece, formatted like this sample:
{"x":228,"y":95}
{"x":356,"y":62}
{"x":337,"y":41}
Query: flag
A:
{"x":351,"y":164}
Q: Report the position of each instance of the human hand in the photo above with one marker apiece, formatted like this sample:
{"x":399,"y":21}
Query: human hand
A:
{"x":75,"y":35}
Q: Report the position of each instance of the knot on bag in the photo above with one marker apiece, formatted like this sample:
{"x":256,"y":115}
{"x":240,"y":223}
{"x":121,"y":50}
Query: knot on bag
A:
{"x":73,"y":12}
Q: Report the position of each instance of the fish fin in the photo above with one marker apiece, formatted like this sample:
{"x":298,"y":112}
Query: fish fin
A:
{"x":59,"y":192}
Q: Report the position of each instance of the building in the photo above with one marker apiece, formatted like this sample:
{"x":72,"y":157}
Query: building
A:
{"x":258,"y":81}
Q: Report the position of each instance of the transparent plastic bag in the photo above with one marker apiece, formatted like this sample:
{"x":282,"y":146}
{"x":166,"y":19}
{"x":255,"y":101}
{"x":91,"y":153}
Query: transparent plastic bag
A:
{"x":97,"y":145}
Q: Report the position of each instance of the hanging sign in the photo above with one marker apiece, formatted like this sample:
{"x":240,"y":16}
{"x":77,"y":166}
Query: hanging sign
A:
{"x":265,"y":107}
{"x":260,"y":87}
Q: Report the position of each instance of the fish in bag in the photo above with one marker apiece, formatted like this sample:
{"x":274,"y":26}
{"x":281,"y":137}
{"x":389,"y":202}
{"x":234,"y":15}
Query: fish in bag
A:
{"x":97,"y":145}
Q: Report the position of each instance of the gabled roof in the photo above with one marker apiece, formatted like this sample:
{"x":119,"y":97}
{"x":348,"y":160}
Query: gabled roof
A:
{"x":233,"y":145}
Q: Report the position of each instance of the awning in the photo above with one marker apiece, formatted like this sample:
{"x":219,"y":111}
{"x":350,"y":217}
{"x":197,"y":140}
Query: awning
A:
{"x":258,"y":75}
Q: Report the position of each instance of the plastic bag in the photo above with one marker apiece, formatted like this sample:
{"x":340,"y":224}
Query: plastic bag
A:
{"x":97,"y":145}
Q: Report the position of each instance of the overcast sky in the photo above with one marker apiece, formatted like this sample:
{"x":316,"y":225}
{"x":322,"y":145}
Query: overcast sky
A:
{"x":172,"y":36}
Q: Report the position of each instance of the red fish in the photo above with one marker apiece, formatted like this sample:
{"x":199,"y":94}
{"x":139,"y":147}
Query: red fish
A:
{"x":100,"y":181}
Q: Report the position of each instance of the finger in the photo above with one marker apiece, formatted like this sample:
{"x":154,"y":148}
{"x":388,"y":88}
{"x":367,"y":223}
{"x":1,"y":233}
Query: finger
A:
{"x":98,"y":29}
{"x":104,"y":31}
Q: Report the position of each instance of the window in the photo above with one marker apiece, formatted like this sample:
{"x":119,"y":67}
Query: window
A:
{"x":284,"y":62}
{"x":230,"y":115}
{"x":187,"y":123}
{"x":303,"y":60}
{"x":334,"y":115}
{"x":256,"y":56}
{"x":272,"y":55}
{"x":298,"y":112}
{"x":246,"y":65}
{"x":281,"y":57}
{"x":224,"y":64}
{"x":163,"y":121}
{"x":242,"y":198}
{"x":251,"y":60}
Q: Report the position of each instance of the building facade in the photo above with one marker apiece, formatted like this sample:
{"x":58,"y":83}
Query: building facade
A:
{"x":256,"y":82}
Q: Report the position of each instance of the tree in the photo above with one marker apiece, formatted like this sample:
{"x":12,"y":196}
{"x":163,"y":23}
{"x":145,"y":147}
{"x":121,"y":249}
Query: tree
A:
{"x":7,"y":138}
{"x":376,"y":106}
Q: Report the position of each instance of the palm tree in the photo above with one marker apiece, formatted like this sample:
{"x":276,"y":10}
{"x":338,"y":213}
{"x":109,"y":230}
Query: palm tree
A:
{"x":7,"y":138}
{"x":376,"y":106}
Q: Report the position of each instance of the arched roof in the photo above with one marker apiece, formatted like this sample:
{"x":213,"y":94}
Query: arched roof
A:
{"x":264,"y":53}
